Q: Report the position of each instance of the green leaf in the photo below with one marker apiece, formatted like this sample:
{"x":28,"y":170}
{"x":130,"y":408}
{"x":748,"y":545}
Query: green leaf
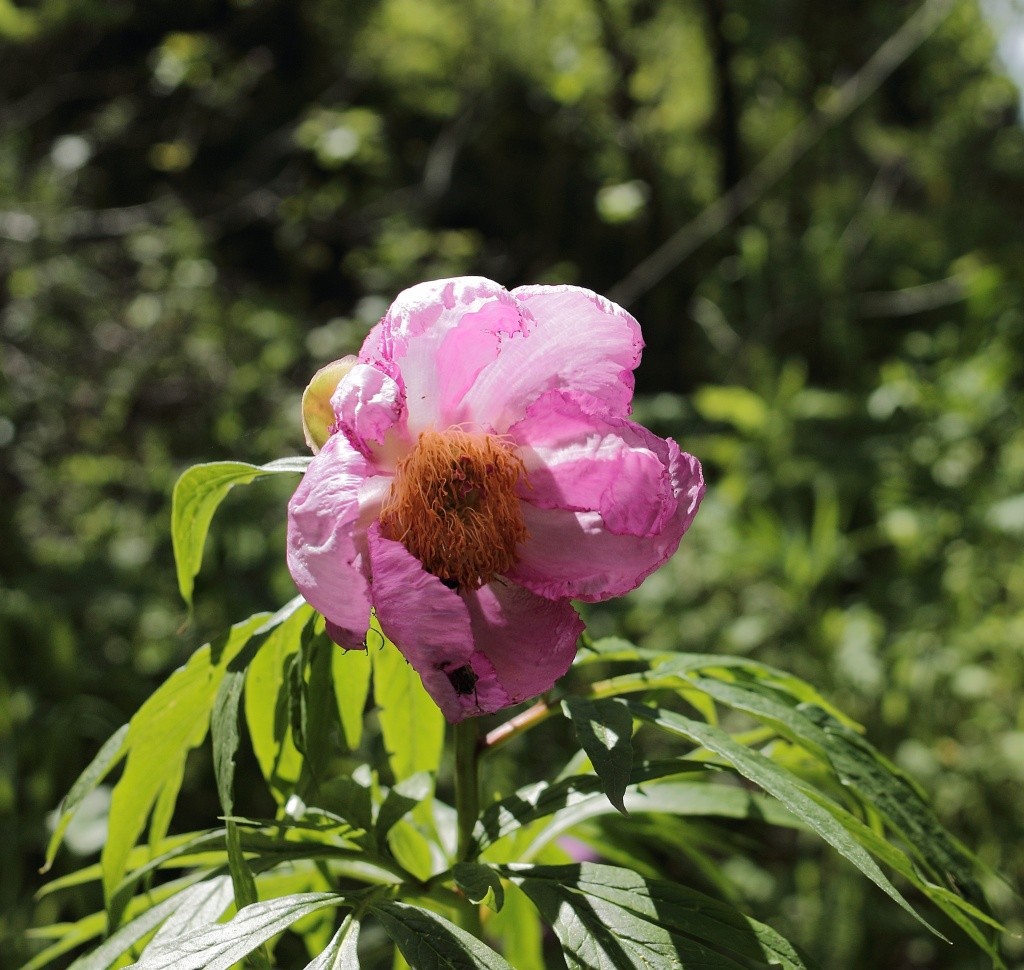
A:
{"x":341,"y":951}
{"x":542,"y":799}
{"x":597,"y":935}
{"x":106,"y":759}
{"x":519,"y":929}
{"x":221,"y":945}
{"x":684,"y":665}
{"x":402,"y":799}
{"x":701,"y":799}
{"x":321,"y":724}
{"x":430,"y":942}
{"x":196,"y":496}
{"x":863,"y":771}
{"x":266,"y":711}
{"x":605,"y":730}
{"x":205,"y":901}
{"x":205,"y":905}
{"x":821,"y":814}
{"x":481,"y":884}
{"x":412,"y":724}
{"x":168,"y":725}
{"x":350,"y":673}
{"x":639,"y":922}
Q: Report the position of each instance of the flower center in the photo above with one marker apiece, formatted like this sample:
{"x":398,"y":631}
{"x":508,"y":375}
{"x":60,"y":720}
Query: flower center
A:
{"x":453,"y":505}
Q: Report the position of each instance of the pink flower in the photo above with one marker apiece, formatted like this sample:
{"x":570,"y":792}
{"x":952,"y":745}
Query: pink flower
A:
{"x":481,"y":471}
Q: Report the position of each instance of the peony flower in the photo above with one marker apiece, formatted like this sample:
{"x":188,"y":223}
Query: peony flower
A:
{"x":475,"y":470}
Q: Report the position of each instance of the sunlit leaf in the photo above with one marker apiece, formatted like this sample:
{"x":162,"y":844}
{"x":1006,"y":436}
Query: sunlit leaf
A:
{"x":412,"y":724}
{"x":606,"y":916}
{"x":266,"y":707}
{"x":828,"y":822}
{"x":341,"y":952}
{"x":430,"y":942}
{"x":350,"y":674}
{"x":220,"y":946}
{"x":168,"y":725}
{"x":106,"y":759}
{"x":196,"y":496}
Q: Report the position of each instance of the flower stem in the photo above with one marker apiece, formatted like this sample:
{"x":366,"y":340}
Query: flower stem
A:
{"x":467,"y":783}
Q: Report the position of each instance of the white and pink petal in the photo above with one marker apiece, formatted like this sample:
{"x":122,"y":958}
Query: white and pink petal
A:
{"x":587,"y":462}
{"x":574,"y":553}
{"x":577,"y":340}
{"x":530,"y":641}
{"x":369,"y":408}
{"x":339,"y":495}
{"x":435,"y":340}
{"x":430,"y":625}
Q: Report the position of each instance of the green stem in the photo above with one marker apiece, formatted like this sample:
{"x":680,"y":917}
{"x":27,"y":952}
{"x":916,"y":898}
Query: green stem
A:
{"x":467,"y":783}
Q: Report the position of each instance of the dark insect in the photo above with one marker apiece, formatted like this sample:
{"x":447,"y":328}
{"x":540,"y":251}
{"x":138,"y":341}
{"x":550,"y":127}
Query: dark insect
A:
{"x":463,"y":680}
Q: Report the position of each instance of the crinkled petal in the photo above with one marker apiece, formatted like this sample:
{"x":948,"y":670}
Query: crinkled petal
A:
{"x":592,"y":463}
{"x":430,"y":624}
{"x":338,"y":496}
{"x":369,"y":407}
{"x":579,"y":341}
{"x":530,"y":641}
{"x":437,"y":337}
{"x":575,"y":554}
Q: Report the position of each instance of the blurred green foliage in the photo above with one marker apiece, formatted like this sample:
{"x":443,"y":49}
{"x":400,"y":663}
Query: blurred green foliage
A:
{"x":202,"y":202}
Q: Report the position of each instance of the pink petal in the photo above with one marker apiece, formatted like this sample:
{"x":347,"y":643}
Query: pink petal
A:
{"x":437,"y":337}
{"x":575,"y":554}
{"x":327,"y":516}
{"x":529,"y":640}
{"x":430,"y":624}
{"x":580,"y":341}
{"x":586,"y":462}
{"x":369,"y":405}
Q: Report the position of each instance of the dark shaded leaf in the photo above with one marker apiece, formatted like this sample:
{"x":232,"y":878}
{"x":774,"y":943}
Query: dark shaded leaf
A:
{"x":605,"y":730}
{"x":430,"y":942}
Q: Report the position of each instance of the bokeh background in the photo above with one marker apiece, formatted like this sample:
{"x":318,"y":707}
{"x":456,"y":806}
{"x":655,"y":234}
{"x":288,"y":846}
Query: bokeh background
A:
{"x":202,"y":201}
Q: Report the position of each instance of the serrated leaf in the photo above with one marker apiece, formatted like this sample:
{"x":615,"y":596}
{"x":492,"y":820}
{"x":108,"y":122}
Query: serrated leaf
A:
{"x":863,"y":770}
{"x":216,"y":891}
{"x":220,"y":946}
{"x":598,"y":935}
{"x":341,"y":953}
{"x":195,"y":498}
{"x":106,"y":760}
{"x":682,"y":912}
{"x":823,"y":816}
{"x":685,"y":665}
{"x":89,"y":927}
{"x":411,"y":723}
{"x":430,"y":942}
{"x":481,"y":884}
{"x":605,"y":730}
{"x":205,"y":906}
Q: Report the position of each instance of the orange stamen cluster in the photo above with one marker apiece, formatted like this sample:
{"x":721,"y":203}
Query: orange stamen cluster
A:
{"x":453,"y":505}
